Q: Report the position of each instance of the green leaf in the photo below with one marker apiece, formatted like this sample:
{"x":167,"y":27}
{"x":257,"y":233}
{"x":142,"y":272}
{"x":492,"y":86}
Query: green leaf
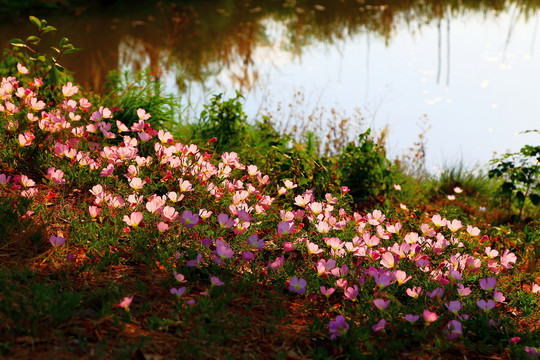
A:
{"x":17,"y":42}
{"x":33,"y":39}
{"x":34,"y":20}
{"x":507,"y":187}
{"x":69,"y":51}
{"x":535,"y":198}
{"x":520,"y":196}
{"x":55,"y":49}
{"x":63,"y":41}
{"x":48,"y":29}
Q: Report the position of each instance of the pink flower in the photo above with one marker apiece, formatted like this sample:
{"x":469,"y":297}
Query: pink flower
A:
{"x":379,"y":325}
{"x":26,"y":139}
{"x":463,"y":291}
{"x":535,"y":288}
{"x":57,"y":240}
{"x":429,"y":316}
{"x":515,"y":340}
{"x":297,"y":285}
{"x":327,"y":292}
{"x":22,"y":69}
{"x":414,"y":292}
{"x":94,"y":211}
{"x":351,"y":293}
{"x":69,"y":89}
{"x":134,"y":219}
{"x":125,"y":303}
{"x":401,"y":277}
{"x":454,"y":226}
{"x":247,"y":256}
{"x":338,"y":327}
{"x":387,"y":260}
{"x":507,"y":258}
{"x":277,"y":263}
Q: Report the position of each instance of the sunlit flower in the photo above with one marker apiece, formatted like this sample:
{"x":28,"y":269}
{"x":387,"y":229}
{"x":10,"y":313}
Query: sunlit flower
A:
{"x":125,"y":303}
{"x":429,"y":316}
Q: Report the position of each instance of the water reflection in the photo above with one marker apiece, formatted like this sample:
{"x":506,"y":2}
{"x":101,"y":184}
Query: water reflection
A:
{"x":283,"y":46}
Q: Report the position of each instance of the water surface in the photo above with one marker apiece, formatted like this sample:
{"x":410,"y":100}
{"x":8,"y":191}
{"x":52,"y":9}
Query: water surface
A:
{"x":465,"y":74}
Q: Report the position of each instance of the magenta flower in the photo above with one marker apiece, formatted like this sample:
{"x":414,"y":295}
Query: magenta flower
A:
{"x":277,"y":263}
{"x":351,"y":293}
{"x":379,"y":325}
{"x":429,"y":316}
{"x":338,"y":327}
{"x":297,"y":285}
{"x":125,"y":303}
{"x":486,"y":305}
{"x":247,"y":256}
{"x":327,"y":292}
{"x":56,"y":176}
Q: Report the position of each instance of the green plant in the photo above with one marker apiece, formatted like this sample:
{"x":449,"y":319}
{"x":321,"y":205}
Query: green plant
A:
{"x":365,"y":169}
{"x":44,"y":64}
{"x":520,"y":173}
{"x":125,"y":93}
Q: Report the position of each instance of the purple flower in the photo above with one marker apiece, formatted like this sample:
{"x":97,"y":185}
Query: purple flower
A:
{"x":338,"y":327}
{"x":485,"y":305}
{"x":297,"y":285}
{"x":379,"y":325}
{"x":412,"y":318}
{"x":178,"y":292}
{"x":454,"y":329}
{"x":57,"y":240}
{"x":189,"y":219}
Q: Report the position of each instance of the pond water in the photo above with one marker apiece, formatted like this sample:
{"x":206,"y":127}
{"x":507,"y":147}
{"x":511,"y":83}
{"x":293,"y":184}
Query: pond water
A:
{"x":465,"y":75}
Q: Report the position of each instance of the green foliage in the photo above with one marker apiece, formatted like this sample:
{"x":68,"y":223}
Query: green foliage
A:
{"x":125,"y":93}
{"x":225,"y":120}
{"x":520,"y":173}
{"x":44,"y":64}
{"x":365,"y":169}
